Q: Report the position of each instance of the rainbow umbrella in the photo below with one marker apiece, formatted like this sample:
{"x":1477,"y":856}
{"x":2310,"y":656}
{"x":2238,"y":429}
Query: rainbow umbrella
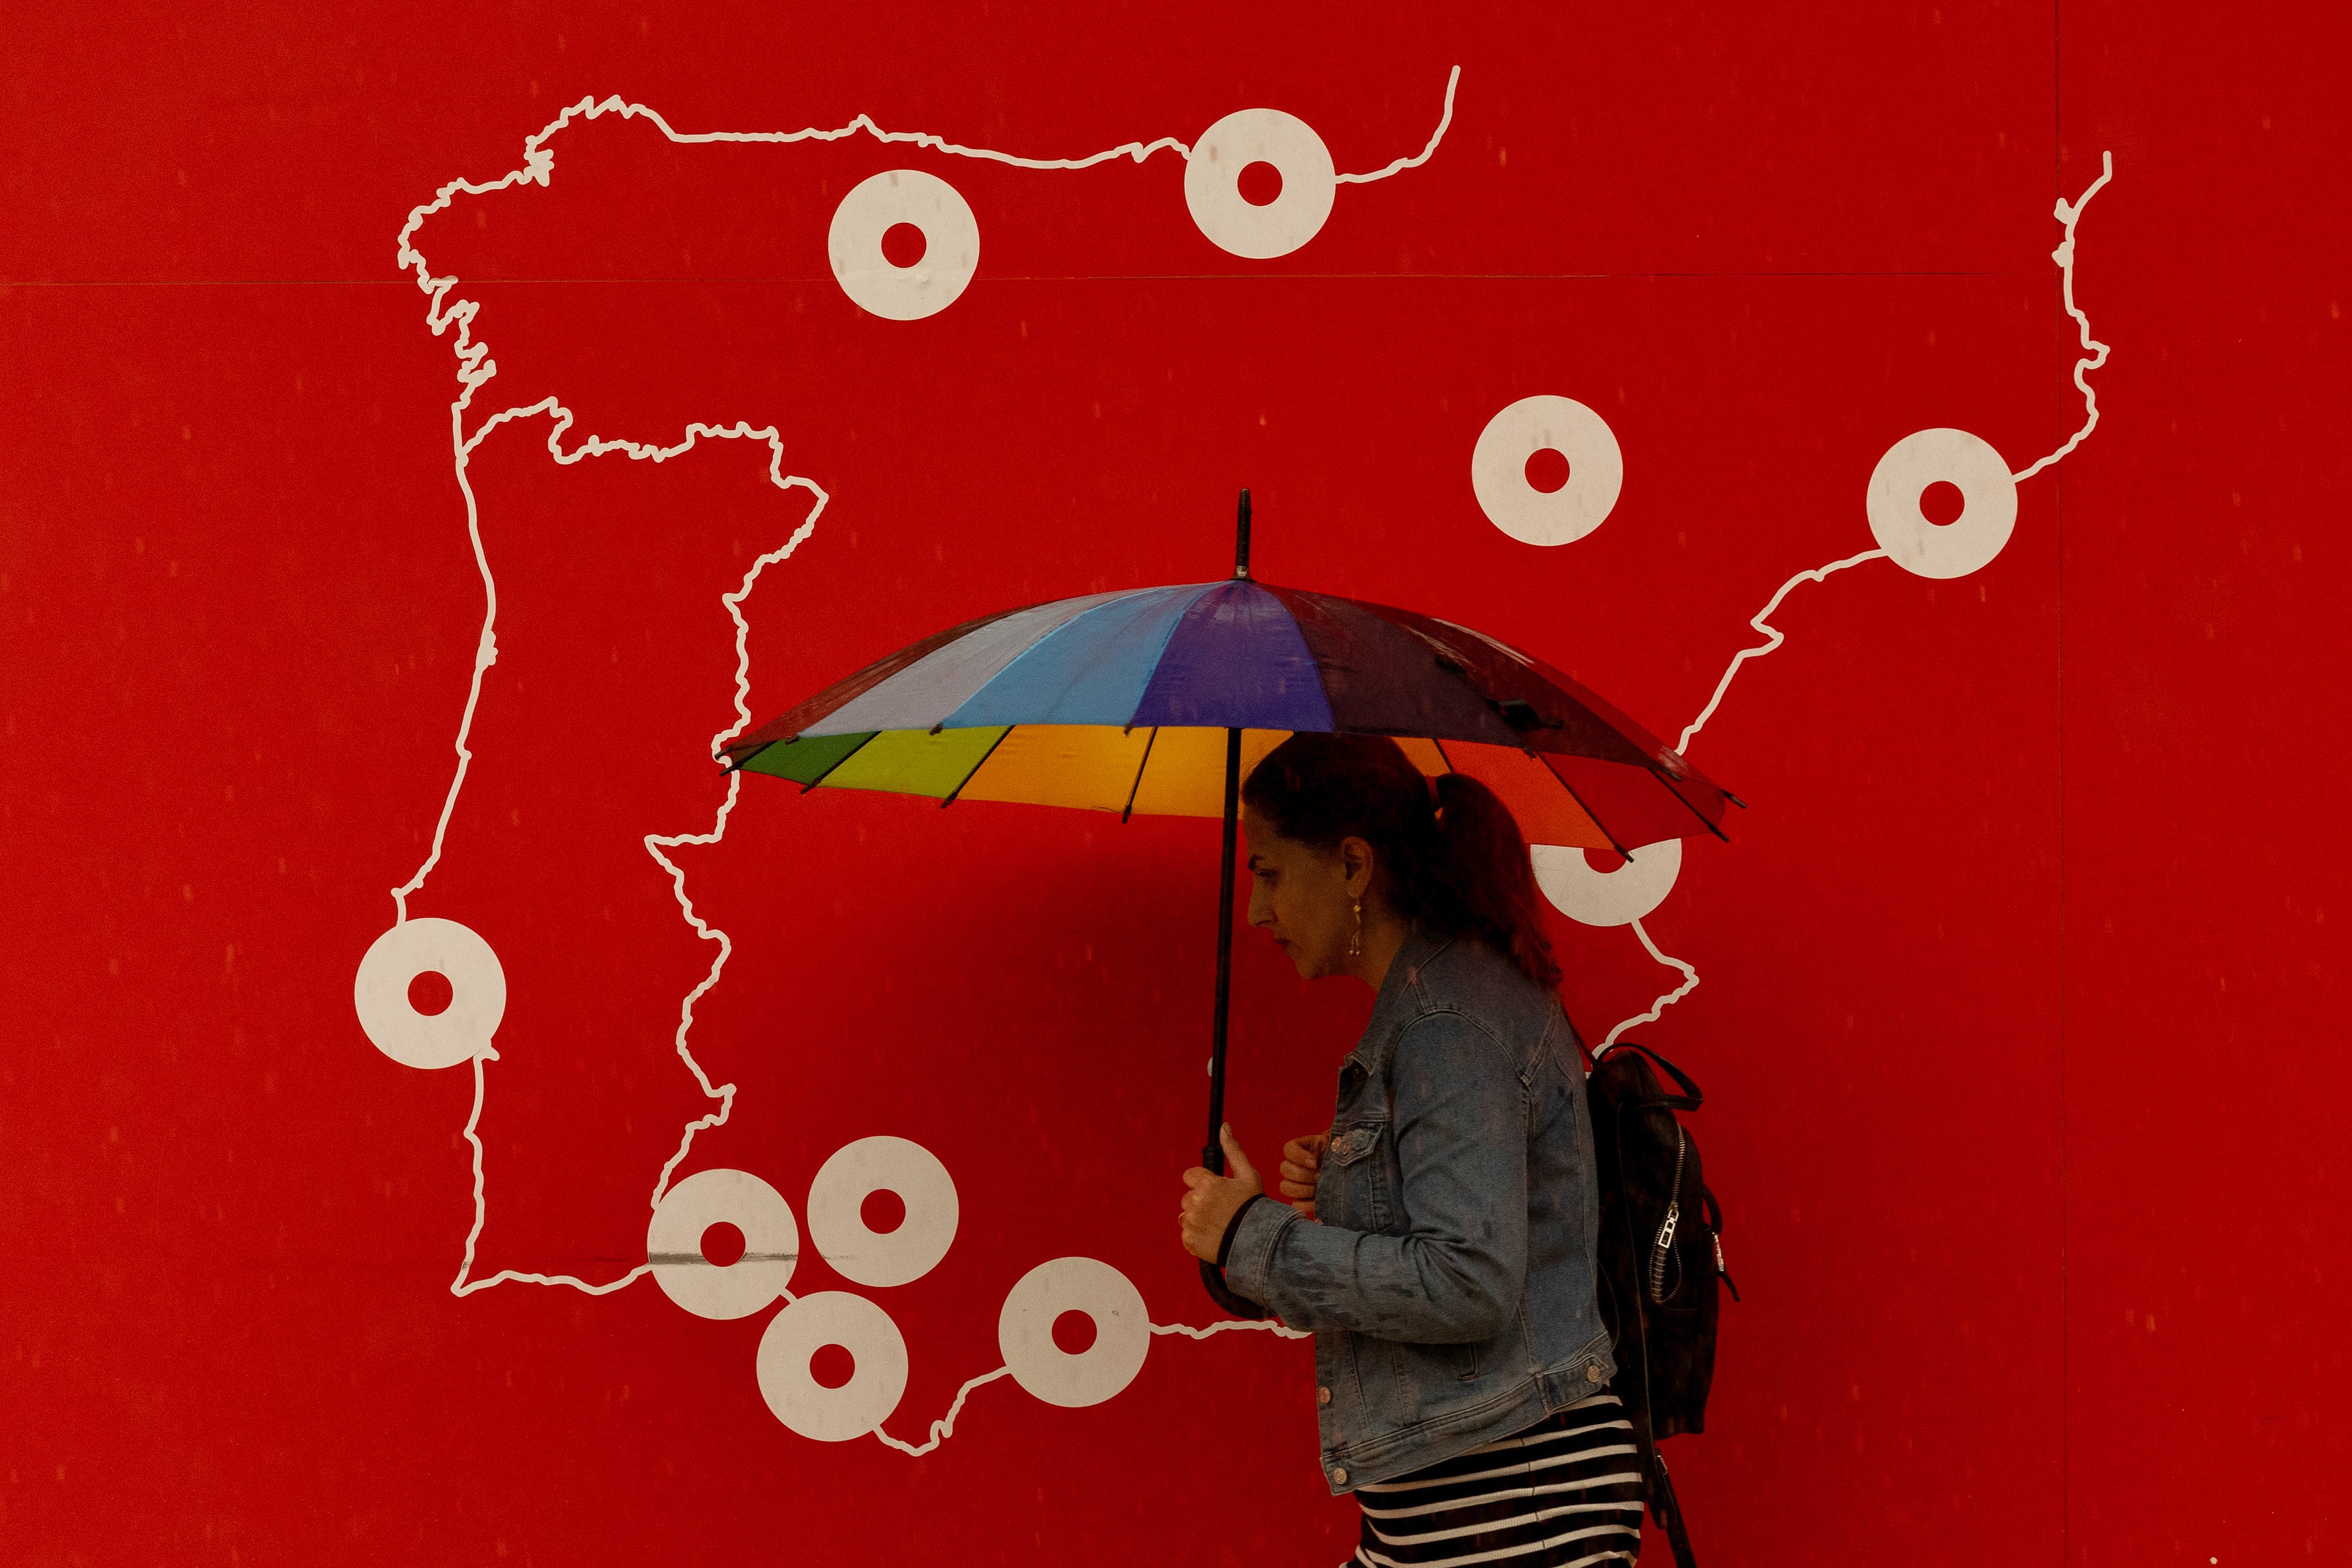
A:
{"x":1157,"y":699}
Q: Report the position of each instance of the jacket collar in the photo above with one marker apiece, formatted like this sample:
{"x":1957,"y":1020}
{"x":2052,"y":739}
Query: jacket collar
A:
{"x":1401,"y":995}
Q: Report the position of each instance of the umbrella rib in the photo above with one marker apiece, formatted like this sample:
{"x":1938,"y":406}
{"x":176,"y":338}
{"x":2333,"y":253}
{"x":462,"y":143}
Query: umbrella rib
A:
{"x":1695,"y":811}
{"x":976,"y":766}
{"x":836,"y":762}
{"x":1589,"y":811}
{"x":1148,"y":742}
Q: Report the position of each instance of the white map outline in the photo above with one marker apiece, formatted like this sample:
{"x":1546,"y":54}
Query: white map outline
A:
{"x":944,"y":1427}
{"x":592,"y":446}
{"x":475,"y":369}
{"x":2067,"y":213}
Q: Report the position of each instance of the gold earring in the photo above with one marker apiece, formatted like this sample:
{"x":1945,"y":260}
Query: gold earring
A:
{"x":1355,"y":938}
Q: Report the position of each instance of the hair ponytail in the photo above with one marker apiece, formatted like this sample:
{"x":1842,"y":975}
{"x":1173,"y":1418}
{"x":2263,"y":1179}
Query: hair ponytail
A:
{"x":1494,"y":881}
{"x":1455,"y":859}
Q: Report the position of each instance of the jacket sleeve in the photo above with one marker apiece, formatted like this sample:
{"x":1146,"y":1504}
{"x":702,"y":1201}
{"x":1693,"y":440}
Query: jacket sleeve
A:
{"x":1456,"y":1273}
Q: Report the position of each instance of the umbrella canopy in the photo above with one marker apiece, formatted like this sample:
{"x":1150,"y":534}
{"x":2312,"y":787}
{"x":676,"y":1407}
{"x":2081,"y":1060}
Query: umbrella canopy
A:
{"x":1120,"y":701}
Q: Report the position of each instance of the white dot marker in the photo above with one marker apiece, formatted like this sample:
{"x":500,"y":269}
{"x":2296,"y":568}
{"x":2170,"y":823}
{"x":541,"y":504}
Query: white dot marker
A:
{"x":1025,"y":1331}
{"x":477,"y":994}
{"x":950,"y":245}
{"x":1988,"y":498}
{"x":771,"y":1244}
{"x":1498,"y":471}
{"x":837,"y":1221}
{"x":796,"y":1398}
{"x":1614,"y":898}
{"x":1212,"y":182}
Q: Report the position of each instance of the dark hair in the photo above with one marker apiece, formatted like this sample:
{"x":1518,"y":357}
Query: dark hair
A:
{"x":1456,"y":860}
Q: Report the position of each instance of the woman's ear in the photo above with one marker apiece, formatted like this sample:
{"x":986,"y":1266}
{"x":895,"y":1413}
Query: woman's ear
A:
{"x":1357,"y":859}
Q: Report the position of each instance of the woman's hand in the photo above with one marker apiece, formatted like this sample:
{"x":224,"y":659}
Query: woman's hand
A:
{"x":1210,"y":1201}
{"x":1301,"y":1159}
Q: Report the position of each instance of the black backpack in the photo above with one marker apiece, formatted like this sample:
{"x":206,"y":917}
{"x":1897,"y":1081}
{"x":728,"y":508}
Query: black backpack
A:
{"x":1659,"y":1257}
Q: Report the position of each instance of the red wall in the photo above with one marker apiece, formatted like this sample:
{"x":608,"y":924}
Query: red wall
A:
{"x":2019,"y":994}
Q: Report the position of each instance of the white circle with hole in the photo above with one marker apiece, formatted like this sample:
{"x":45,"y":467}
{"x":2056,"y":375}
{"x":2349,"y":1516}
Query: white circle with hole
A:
{"x":1212,"y":189}
{"x":837,"y":1220}
{"x":1498,"y":471}
{"x":1988,"y":502}
{"x":477,"y":994}
{"x":806,"y":1326}
{"x":1607,"y":898}
{"x":950,"y":245}
{"x":771,"y":1244}
{"x":1025,"y":1331}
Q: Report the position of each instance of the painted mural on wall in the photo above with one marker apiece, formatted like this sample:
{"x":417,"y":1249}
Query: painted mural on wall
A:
{"x":905,"y":246}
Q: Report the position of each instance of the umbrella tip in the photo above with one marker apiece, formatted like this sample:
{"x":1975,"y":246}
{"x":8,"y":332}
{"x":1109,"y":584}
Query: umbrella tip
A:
{"x":1242,"y":536}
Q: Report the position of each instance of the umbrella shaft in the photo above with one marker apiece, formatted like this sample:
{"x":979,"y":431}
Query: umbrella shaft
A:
{"x":1213,"y":1153}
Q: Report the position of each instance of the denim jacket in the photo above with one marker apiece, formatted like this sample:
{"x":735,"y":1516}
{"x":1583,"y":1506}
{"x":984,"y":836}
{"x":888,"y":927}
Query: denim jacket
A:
{"x":1449,"y":1275}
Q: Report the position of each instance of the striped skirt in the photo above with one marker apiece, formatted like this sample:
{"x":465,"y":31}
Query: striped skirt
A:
{"x":1564,"y":1493}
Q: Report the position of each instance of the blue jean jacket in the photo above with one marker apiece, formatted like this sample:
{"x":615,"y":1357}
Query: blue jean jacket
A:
{"x":1448,"y":1276}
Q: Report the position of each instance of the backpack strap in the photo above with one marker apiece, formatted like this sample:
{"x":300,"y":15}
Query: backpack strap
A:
{"x":1657,"y":1487}
{"x":1689,"y":1100}
{"x":1663,"y":1508}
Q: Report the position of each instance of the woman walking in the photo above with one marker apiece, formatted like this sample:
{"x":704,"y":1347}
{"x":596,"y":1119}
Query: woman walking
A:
{"x":1438,"y":1239}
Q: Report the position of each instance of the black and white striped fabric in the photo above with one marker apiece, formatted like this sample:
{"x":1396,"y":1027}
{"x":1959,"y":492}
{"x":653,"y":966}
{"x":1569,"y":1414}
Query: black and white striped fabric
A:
{"x":1565,"y":1493}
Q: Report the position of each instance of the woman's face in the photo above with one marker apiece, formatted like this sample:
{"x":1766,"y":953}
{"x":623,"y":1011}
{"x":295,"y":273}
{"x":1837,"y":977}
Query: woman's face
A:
{"x":1303,"y":897}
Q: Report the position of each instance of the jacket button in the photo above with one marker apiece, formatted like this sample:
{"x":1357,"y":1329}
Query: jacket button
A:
{"x":1322,"y":1396}
{"x":1593,"y":1373}
{"x":1339,"y":1476}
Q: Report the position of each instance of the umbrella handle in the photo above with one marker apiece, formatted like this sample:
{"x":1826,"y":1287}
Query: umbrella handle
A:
{"x":1213,"y":1279}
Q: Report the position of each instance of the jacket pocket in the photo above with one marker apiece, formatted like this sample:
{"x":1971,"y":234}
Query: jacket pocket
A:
{"x":1350,"y":1193}
{"x":1428,"y":1381}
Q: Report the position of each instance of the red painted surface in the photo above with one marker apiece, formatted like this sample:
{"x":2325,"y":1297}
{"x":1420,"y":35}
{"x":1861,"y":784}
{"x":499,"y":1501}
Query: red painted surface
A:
{"x":2020,"y":985}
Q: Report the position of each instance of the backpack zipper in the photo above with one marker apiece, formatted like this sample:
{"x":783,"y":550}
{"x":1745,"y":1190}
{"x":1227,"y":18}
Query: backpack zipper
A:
{"x":1662,"y":1248}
